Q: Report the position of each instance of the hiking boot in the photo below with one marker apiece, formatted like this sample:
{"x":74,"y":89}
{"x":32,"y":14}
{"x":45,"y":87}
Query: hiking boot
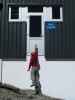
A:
{"x":32,"y":85}
{"x":38,"y":93}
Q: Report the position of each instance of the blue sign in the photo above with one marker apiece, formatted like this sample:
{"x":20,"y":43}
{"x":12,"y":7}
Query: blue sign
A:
{"x":51,"y":25}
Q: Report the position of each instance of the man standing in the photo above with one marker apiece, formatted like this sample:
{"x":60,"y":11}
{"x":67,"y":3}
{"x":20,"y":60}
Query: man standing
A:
{"x":35,"y":67}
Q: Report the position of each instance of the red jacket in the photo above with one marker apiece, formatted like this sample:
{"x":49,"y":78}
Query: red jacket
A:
{"x":34,"y":62}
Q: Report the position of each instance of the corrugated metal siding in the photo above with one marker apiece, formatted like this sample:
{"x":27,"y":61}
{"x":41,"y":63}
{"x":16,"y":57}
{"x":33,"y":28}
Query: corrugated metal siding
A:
{"x":0,"y":23}
{"x":69,"y":28}
{"x":14,"y":41}
{"x":37,"y":2}
{"x":13,"y":37}
{"x":1,"y":1}
{"x":54,"y":43}
{"x":0,"y":29}
{"x":73,"y":27}
{"x":17,"y":40}
{"x":60,"y":43}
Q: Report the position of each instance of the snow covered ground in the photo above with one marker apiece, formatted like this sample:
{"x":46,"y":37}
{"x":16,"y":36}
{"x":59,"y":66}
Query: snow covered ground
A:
{"x":57,"y":77}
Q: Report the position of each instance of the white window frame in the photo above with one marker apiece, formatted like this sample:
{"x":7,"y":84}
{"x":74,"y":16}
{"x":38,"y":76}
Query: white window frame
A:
{"x":48,"y":14}
{"x":14,"y":20}
{"x":61,"y":15}
{"x":22,"y":15}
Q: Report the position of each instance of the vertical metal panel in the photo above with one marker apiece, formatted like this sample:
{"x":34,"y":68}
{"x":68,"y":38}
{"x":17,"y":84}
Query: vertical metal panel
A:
{"x":73,"y":28}
{"x":13,"y":25}
{"x":69,"y":29}
{"x":1,"y":1}
{"x":10,"y":40}
{"x":0,"y":28}
{"x":24,"y":40}
{"x":17,"y":40}
{"x":54,"y":42}
{"x":3,"y":29}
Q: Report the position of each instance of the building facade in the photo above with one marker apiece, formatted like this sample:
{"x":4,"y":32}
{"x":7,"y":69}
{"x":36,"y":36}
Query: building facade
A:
{"x":47,"y":23}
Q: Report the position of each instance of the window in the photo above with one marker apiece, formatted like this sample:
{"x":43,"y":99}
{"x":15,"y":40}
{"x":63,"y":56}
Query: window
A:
{"x":14,"y":12}
{"x":17,"y":13}
{"x":56,"y":12}
{"x":53,"y":13}
{"x":35,"y":31}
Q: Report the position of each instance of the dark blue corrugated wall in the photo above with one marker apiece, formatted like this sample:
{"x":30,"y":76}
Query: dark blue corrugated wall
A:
{"x":69,"y":28}
{"x":36,"y":2}
{"x":60,"y":43}
{"x":54,"y":42}
{"x":0,"y":23}
{"x":13,"y":40}
{"x":13,"y":36}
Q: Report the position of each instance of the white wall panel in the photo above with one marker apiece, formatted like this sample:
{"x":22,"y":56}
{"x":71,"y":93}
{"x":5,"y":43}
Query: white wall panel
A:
{"x":57,"y":77}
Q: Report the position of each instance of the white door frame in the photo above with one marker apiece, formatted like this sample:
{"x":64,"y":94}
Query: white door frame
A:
{"x":28,"y":27}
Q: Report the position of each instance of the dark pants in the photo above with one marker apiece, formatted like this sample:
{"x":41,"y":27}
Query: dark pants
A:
{"x":35,"y":74}
{"x":35,"y":79}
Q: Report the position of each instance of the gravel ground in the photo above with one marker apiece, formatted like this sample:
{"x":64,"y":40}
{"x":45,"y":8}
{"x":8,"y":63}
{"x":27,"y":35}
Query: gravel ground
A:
{"x":8,"y":92}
